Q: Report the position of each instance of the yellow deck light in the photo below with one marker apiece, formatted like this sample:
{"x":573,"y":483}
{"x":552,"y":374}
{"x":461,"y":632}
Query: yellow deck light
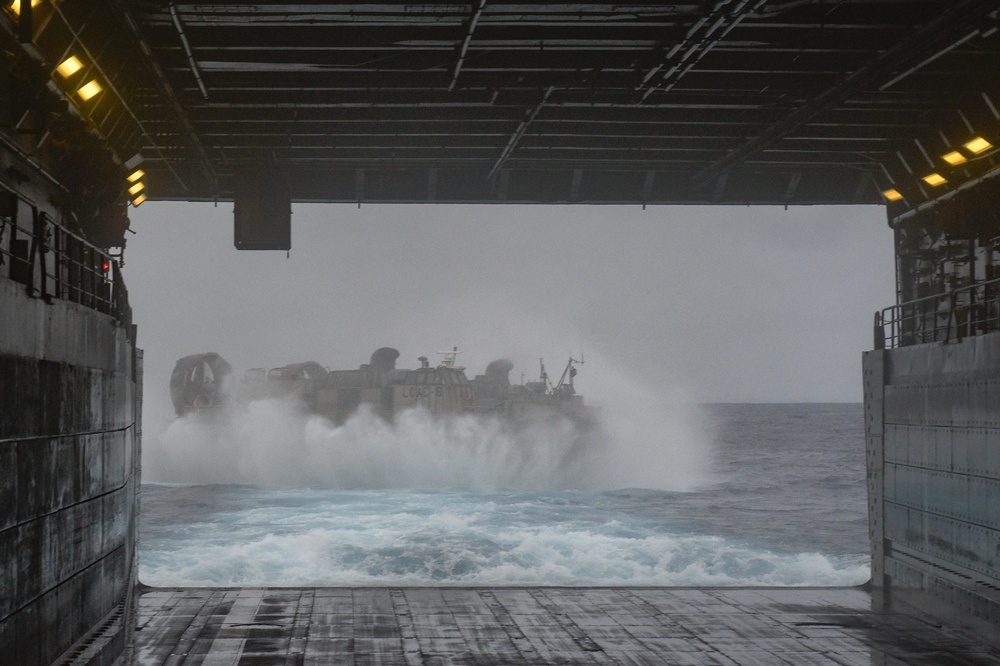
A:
{"x":136,"y":175}
{"x":892,"y":194}
{"x":138,"y":200}
{"x":138,"y":187}
{"x":69,"y":67}
{"x":978,"y":145}
{"x":954,"y":158}
{"x":89,"y":89}
{"x":934,"y":179}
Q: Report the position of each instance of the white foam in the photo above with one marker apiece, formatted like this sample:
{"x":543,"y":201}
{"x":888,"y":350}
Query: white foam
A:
{"x":640,"y":443}
{"x":374,"y":538}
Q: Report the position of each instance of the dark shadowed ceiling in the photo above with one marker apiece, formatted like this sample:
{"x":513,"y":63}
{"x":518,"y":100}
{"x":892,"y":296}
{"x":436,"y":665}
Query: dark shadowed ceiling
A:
{"x":730,"y":101}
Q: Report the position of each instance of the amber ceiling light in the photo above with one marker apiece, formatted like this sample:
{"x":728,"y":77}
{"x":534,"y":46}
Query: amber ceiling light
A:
{"x":89,"y":89}
{"x":978,"y":145}
{"x":16,"y":6}
{"x":954,"y":158}
{"x":69,"y":67}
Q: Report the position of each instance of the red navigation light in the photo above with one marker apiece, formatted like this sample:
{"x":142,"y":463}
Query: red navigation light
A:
{"x":106,"y":265}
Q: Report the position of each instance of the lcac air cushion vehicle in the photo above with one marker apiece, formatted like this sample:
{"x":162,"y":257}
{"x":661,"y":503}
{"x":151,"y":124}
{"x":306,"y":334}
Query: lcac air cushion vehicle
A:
{"x":202,"y":381}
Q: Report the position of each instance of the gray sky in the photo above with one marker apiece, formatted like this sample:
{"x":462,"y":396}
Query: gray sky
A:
{"x":706,"y":304}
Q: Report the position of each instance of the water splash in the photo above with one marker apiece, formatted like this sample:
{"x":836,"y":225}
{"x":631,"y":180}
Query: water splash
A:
{"x":274,"y":443}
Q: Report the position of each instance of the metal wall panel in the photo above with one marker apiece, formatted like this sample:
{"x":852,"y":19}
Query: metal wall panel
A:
{"x":68,"y":480}
{"x":873,"y":371}
{"x":941,"y":462}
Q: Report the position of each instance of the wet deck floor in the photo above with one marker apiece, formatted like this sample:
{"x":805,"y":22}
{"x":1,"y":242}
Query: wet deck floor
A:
{"x":479,"y":626}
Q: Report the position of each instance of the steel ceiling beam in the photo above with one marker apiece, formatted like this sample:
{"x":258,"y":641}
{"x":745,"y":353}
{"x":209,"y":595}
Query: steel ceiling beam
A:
{"x":708,"y":31}
{"x":436,"y":99}
{"x":187,"y":49}
{"x":167,"y":93}
{"x":914,"y":46}
{"x":464,"y":48}
{"x":519,"y":133}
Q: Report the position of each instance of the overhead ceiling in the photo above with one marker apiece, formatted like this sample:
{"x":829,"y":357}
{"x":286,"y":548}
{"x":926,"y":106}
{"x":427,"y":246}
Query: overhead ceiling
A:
{"x":729,"y":101}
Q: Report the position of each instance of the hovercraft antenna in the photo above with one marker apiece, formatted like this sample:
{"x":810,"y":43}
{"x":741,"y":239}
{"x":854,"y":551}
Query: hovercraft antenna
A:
{"x":569,"y":372}
{"x":449,"y":359}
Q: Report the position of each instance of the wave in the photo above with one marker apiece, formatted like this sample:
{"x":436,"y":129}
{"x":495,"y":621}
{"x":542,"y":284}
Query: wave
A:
{"x":436,"y":554}
{"x":319,"y":538}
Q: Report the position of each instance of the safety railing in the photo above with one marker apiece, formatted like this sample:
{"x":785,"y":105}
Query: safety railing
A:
{"x":53,"y":262}
{"x":948,"y":317}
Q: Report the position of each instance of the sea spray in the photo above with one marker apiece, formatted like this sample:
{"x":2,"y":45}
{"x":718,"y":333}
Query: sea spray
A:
{"x":786,"y":507}
{"x":276,"y":443}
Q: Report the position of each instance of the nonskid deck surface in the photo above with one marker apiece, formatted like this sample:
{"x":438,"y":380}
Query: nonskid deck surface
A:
{"x":536,"y":626}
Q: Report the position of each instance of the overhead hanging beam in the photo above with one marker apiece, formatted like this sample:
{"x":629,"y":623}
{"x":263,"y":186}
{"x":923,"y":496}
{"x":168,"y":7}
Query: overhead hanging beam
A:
{"x":699,"y":40}
{"x":465,"y":43}
{"x":187,"y":50}
{"x":173,"y":104}
{"x":518,"y":133}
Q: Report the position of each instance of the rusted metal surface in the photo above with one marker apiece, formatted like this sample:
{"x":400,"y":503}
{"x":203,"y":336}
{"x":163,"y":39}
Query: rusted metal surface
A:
{"x":538,"y":626}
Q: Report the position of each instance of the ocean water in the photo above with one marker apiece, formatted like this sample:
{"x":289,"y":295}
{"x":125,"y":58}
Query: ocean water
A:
{"x":728,"y":494}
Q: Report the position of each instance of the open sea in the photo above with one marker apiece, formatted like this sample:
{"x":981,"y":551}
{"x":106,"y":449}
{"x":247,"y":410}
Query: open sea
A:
{"x":722,"y":494}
